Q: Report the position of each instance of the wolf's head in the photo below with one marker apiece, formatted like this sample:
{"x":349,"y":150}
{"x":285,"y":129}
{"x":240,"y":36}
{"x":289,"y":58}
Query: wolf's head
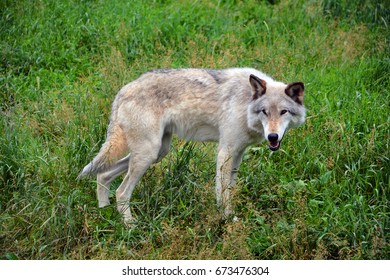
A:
{"x":275,"y":107}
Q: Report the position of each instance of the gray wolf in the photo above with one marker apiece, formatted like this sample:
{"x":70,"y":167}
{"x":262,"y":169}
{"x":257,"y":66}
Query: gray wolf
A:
{"x":236,"y":107}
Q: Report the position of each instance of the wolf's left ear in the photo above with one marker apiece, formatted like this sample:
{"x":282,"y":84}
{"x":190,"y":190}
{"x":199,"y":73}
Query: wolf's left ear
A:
{"x":259,"y":86}
{"x":295,"y":91}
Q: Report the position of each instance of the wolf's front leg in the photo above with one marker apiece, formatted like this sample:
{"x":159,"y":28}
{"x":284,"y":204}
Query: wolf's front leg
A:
{"x":223,"y":181}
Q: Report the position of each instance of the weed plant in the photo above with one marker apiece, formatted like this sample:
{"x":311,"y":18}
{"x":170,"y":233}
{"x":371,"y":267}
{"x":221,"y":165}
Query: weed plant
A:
{"x":325,"y":195}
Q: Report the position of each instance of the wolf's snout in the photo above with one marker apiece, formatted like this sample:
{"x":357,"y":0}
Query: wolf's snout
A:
{"x":273,"y":137}
{"x":274,"y":144}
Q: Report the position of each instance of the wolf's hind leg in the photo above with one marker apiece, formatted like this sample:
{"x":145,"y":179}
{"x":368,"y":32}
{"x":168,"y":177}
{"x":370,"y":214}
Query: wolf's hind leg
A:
{"x":105,"y":178}
{"x":147,"y":154}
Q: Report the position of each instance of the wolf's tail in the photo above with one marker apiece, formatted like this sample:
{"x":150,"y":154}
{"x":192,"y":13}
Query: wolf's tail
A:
{"x":112,"y":150}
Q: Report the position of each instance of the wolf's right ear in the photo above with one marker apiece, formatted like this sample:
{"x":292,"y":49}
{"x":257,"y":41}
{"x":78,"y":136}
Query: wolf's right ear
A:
{"x":259,"y":86}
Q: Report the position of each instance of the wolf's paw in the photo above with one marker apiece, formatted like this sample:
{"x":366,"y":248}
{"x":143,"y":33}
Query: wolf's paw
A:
{"x":129,"y":222}
{"x":103,"y":203}
{"x":229,"y":215}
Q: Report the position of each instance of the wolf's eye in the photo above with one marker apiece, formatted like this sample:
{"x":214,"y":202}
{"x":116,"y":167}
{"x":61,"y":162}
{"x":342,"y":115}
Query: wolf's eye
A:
{"x":258,"y":111}
{"x":283,"y":112}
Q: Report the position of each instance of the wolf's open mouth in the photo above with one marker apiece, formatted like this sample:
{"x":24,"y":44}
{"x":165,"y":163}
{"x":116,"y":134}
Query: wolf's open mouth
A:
{"x":274,"y":146}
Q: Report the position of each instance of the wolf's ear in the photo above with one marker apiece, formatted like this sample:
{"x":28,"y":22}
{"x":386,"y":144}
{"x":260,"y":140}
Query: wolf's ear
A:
{"x":295,"y":91}
{"x":258,"y":86}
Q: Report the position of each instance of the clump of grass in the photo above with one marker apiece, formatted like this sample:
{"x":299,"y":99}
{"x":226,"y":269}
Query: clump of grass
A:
{"x":367,"y":11}
{"x":324,"y":196}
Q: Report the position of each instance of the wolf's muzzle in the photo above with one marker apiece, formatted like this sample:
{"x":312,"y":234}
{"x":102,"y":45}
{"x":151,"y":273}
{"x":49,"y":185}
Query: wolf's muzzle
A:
{"x":274,"y":144}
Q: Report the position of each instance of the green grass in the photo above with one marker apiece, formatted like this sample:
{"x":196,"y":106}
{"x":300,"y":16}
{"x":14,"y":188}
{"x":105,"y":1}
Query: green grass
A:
{"x":324,"y":196}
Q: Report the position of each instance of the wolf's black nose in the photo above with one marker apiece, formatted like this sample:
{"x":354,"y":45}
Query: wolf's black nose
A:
{"x":273,"y":137}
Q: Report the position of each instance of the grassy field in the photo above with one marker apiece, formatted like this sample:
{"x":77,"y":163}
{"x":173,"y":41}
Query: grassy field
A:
{"x":325,"y":195}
